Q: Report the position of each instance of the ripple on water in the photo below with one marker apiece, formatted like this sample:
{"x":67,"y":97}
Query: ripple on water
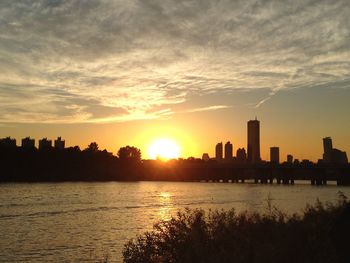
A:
{"x":73,"y":222}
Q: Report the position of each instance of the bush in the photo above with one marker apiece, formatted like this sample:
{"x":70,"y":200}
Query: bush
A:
{"x":226,"y":236}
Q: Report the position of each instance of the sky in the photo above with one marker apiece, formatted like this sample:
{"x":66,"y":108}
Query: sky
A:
{"x":129,"y":72}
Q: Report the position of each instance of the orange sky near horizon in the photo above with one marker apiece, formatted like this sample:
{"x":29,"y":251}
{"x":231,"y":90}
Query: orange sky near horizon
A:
{"x":197,"y":133}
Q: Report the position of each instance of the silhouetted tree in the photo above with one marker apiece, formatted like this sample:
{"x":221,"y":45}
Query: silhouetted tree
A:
{"x":129,"y":153}
{"x":93,"y":147}
{"x":76,"y":148}
{"x":106,"y":153}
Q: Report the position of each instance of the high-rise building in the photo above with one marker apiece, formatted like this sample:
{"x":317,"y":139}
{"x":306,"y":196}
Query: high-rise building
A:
{"x":289,"y":158}
{"x":8,"y":142}
{"x":253,"y":141}
{"x":275,"y":155}
{"x":332,"y":155}
{"x":59,"y":143}
{"x":218,"y":151}
{"x":45,"y":144}
{"x":327,"y":149}
{"x":241,"y":155}
{"x":228,"y":151}
{"x":28,"y":143}
{"x":339,"y":157}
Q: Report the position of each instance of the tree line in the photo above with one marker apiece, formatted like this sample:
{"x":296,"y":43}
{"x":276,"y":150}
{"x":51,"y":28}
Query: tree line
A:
{"x":69,"y":164}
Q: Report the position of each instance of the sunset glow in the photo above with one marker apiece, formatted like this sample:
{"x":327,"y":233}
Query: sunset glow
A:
{"x":164,"y":149}
{"x":138,"y":130}
{"x":212,"y":68}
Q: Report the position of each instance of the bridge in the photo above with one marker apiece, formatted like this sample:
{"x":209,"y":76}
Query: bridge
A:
{"x":261,"y":173}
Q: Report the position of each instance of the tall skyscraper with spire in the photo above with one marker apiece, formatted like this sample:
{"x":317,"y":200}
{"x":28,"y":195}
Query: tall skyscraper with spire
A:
{"x":253,"y":141}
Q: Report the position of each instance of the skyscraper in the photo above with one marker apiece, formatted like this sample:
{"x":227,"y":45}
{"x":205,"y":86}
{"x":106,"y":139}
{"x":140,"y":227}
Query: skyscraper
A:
{"x":8,"y":142}
{"x":275,"y":155}
{"x":45,"y":144}
{"x":241,"y":155}
{"x":228,"y":151}
{"x":28,"y":143}
{"x":59,"y":143}
{"x":218,"y":151}
{"x":327,"y":149}
{"x":253,"y":141}
{"x":333,"y":155}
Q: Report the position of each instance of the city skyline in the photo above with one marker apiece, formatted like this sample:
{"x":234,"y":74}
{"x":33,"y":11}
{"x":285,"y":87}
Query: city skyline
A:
{"x":174,"y":131}
{"x":222,"y":152}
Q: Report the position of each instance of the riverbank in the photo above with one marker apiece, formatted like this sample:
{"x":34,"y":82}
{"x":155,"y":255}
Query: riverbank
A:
{"x":226,"y":236}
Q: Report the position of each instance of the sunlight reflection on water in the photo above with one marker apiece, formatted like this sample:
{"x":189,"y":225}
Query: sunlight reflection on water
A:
{"x":74,"y":221}
{"x":166,"y":206}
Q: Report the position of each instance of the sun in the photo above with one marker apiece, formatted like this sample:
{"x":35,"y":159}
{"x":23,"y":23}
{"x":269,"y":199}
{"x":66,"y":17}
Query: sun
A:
{"x":164,"y":149}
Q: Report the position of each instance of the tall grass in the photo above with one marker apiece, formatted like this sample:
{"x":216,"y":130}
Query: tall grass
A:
{"x":227,"y":236}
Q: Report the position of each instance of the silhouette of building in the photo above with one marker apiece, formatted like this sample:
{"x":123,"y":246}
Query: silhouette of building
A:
{"x":275,"y":155}
{"x":45,"y":144}
{"x":8,"y":142}
{"x":205,"y":157}
{"x":28,"y":143}
{"x":339,"y":157}
{"x":327,"y":149}
{"x":228,"y":151}
{"x":59,"y":144}
{"x":241,"y":155}
{"x":333,"y":155}
{"x":218,"y":151}
{"x":254,"y":141}
{"x":289,"y":158}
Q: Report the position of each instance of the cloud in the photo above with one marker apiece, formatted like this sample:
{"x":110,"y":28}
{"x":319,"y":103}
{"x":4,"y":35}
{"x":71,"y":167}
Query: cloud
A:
{"x":209,"y":108}
{"x":92,"y":61}
{"x":257,"y":105}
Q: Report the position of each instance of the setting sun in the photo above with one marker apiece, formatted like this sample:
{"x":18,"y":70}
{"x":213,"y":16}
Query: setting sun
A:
{"x":164,"y":149}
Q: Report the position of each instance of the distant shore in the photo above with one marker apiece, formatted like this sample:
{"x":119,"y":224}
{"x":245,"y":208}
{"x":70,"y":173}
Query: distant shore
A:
{"x":91,"y":164}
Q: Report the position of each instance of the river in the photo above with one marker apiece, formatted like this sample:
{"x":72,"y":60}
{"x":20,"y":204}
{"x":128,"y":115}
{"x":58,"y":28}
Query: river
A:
{"x":82,"y":222}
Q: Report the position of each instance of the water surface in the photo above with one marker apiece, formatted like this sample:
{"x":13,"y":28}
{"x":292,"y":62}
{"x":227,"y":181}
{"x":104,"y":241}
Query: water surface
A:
{"x":79,"y":222}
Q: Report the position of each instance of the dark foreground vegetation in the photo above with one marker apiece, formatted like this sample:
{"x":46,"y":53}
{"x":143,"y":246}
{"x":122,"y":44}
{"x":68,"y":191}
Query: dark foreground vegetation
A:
{"x":320,"y":235}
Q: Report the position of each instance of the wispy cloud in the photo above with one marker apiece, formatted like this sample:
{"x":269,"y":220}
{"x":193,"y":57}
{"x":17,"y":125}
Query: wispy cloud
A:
{"x":209,"y":108}
{"x":105,"y":61}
